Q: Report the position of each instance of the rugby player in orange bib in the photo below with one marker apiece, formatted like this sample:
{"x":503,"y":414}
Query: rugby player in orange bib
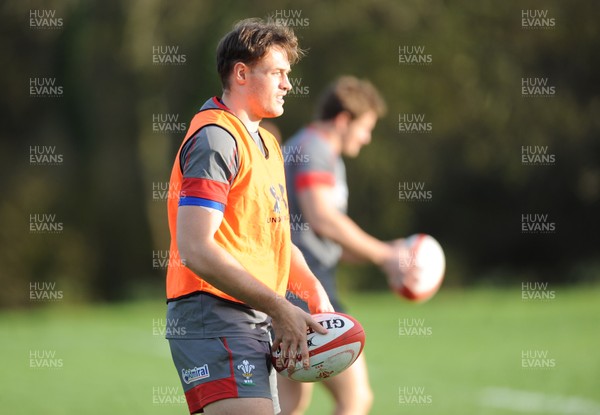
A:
{"x":230,"y":232}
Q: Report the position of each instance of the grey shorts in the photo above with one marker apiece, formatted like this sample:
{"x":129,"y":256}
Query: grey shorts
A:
{"x":222,"y":368}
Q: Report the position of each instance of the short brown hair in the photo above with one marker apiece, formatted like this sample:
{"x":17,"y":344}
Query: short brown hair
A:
{"x":350,"y":94}
{"x":249,"y":41}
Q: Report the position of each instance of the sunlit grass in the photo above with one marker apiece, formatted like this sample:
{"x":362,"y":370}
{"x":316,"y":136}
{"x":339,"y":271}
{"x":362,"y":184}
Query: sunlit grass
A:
{"x":114,"y":359}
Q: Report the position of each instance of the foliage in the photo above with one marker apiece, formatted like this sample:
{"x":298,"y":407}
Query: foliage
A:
{"x":102,"y":124}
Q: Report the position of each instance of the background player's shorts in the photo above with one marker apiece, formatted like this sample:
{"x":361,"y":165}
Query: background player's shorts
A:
{"x":222,"y":368}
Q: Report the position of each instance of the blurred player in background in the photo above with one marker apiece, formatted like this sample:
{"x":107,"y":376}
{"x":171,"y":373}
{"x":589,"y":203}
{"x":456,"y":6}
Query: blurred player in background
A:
{"x":230,"y":228}
{"x":316,"y":179}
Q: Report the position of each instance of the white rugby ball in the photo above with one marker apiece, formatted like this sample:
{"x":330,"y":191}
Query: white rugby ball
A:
{"x":330,"y":354}
{"x":423,"y":268}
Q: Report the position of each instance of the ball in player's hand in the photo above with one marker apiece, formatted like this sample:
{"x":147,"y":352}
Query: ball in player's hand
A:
{"x":330,"y":354}
{"x":419,"y":271}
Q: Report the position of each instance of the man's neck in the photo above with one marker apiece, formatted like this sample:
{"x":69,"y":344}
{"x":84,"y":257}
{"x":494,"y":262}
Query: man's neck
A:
{"x":327,"y":131}
{"x":240,"y":111}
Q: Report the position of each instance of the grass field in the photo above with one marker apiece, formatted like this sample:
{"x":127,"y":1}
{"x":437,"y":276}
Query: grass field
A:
{"x":465,"y":352}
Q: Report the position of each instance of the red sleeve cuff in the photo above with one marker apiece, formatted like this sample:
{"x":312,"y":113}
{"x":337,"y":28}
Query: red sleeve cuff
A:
{"x":309,"y":179}
{"x":205,"y":188}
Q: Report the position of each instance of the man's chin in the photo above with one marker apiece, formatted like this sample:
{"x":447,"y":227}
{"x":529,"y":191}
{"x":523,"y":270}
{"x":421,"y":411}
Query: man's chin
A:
{"x":351,"y":153}
{"x":274,"y":113}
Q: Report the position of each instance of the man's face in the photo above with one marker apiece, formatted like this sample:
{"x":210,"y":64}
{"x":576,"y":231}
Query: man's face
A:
{"x":268,"y":83}
{"x":358,"y":134}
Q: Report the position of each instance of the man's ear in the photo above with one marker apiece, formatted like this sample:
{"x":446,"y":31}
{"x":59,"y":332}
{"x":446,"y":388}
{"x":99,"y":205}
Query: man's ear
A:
{"x":342,"y":121}
{"x":240,"y":73}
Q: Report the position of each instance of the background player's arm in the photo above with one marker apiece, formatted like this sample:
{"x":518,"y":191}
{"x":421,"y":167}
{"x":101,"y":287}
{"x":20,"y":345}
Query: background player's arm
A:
{"x":329,"y":222}
{"x":306,"y":286}
{"x":196,"y":227}
{"x":351,"y":258}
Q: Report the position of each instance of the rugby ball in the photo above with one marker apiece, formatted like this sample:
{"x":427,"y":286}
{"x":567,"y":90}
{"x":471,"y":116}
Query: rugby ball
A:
{"x":423,"y":268}
{"x":330,"y":354}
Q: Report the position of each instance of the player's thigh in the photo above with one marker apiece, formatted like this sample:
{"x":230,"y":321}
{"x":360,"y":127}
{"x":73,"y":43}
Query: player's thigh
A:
{"x":352,"y":384}
{"x":294,"y":397}
{"x":237,"y":406}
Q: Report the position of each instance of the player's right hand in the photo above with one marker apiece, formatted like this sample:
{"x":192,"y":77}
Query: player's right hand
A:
{"x":397,"y":265}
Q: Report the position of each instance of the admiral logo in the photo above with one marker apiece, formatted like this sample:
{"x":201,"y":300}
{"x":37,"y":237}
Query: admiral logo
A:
{"x":289,"y":18}
{"x":537,"y":88}
{"x":167,"y":55}
{"x":44,"y":156}
{"x":536,"y":223}
{"x":44,"y":359}
{"x":537,"y":359}
{"x":537,"y":19}
{"x":413,"y":327}
{"x":44,"y":223}
{"x":292,"y":155}
{"x":413,"y":55}
{"x":167,"y":124}
{"x":536,"y":156}
{"x":298,"y":90}
{"x":44,"y":19}
{"x":413,"y":395}
{"x":44,"y":291}
{"x":44,"y":88}
{"x":414,"y":123}
{"x":414,"y":192}
{"x":192,"y":375}
{"x":536,"y":291}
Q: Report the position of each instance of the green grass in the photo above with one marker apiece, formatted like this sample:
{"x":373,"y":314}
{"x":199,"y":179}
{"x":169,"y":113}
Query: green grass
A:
{"x":112,"y":361}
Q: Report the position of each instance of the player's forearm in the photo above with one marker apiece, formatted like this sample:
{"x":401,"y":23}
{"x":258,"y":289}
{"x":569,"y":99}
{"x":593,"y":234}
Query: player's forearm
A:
{"x":305,"y":285}
{"x":341,"y":229}
{"x":350,"y":257}
{"x":302,"y":281}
